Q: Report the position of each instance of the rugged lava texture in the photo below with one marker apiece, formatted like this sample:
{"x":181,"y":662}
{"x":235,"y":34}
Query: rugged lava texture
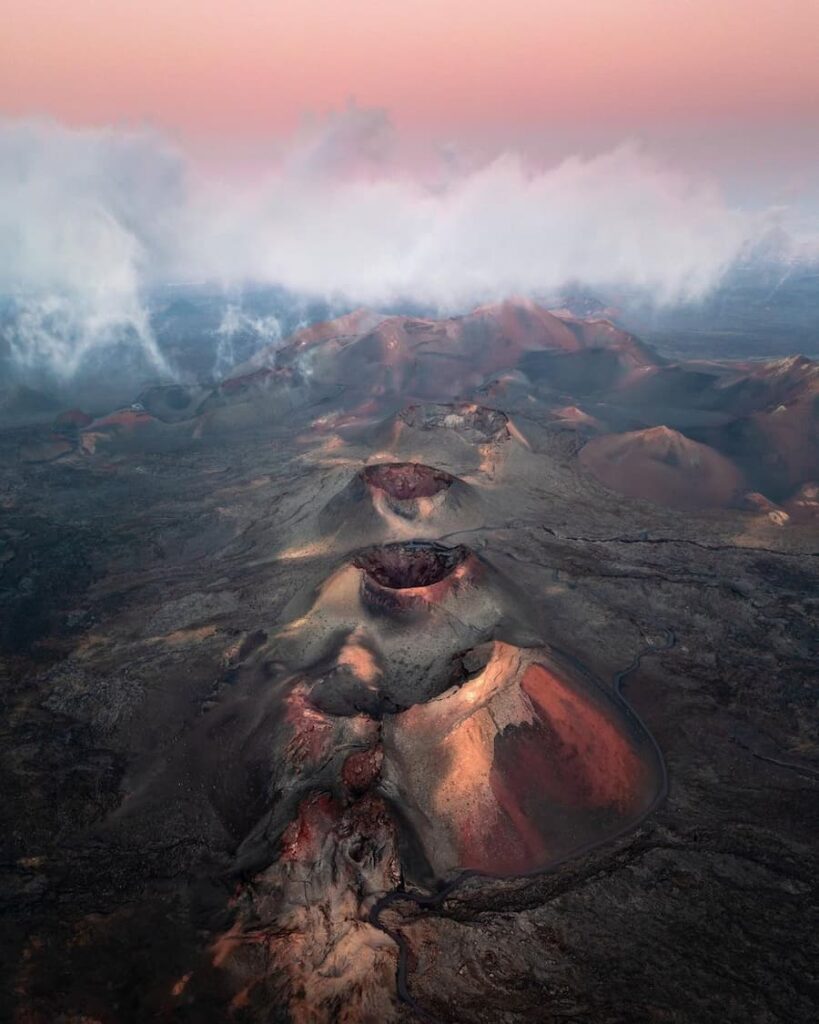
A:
{"x":409,"y":566}
{"x":416,"y":698}
{"x":407,"y":480}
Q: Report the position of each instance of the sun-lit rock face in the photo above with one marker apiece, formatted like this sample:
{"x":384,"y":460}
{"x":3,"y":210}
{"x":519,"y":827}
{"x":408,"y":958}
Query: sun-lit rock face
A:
{"x":442,"y":359}
{"x":503,"y":758}
{"x":425,"y":358}
{"x":385,"y":630}
{"x":411,"y":566}
{"x":663,"y":466}
{"x":522,"y":765}
{"x":409,"y":492}
{"x":339,"y":694}
{"x":333,"y":854}
{"x":574,"y":418}
{"x":757,"y":503}
{"x":522,"y":762}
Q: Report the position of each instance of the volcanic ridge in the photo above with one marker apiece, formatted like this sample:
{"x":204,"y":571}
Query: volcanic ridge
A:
{"x":338,"y":649}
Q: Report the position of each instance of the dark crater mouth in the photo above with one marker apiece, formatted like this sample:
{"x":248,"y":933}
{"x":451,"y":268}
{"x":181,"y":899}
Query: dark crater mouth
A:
{"x":407,"y":480}
{"x":476,"y":420}
{"x":412,"y":564}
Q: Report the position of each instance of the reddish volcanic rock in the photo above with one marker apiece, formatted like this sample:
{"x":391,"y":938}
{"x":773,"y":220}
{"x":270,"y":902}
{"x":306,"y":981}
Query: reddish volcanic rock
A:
{"x":407,"y":480}
{"x":590,"y":760}
{"x":394,"y":499}
{"x":312,"y":735}
{"x":406,"y":578}
{"x":803,"y":507}
{"x":523,"y":325}
{"x":761,"y":387}
{"x":519,"y":766}
{"x":787,"y":441}
{"x":440,"y":359}
{"x":361,"y":769}
{"x":122,"y":419}
{"x":599,"y":333}
{"x":261,"y":724}
{"x":662,"y":466}
{"x":350,"y":325}
{"x":573,"y":416}
{"x":411,"y":575}
{"x":772,"y":430}
{"x":300,"y":935}
{"x":753,"y":501}
{"x":72,"y":420}
{"x":125,"y":427}
{"x":386,"y":630}
{"x":302,"y":838}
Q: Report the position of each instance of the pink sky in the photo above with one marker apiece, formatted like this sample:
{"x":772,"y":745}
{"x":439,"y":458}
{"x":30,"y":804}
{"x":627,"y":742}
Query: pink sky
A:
{"x":512,"y":113}
{"x":251,"y":67}
{"x":727,"y":87}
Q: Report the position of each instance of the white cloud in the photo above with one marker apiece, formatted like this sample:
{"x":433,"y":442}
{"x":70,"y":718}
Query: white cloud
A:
{"x":89,"y":219}
{"x":83,"y":217}
{"x":266,"y":330}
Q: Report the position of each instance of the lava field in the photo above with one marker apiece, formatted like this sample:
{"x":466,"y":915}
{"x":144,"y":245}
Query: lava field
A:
{"x":456,"y":671}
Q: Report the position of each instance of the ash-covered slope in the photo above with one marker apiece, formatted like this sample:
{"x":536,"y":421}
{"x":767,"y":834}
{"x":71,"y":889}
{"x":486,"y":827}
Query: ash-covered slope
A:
{"x":360,"y":688}
{"x":433,"y":360}
{"x":663,"y":466}
{"x":760,"y":421}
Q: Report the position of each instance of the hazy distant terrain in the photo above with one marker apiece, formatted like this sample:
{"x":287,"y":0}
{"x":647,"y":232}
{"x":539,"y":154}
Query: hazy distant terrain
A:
{"x":760,"y":310}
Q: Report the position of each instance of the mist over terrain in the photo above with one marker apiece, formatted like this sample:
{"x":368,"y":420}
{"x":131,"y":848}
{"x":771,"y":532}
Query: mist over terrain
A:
{"x":409,"y":512}
{"x":117,"y":250}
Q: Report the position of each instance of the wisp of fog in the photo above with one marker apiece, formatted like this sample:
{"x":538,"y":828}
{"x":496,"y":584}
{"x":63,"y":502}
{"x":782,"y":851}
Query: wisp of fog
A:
{"x":91,"y":220}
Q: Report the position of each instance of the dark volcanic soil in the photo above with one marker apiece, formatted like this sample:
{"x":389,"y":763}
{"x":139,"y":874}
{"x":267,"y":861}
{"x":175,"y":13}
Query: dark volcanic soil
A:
{"x":405,"y":566}
{"x":242,"y":784}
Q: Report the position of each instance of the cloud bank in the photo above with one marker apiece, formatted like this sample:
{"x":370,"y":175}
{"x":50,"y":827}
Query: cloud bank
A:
{"x":91,"y":220}
{"x":82,"y":219}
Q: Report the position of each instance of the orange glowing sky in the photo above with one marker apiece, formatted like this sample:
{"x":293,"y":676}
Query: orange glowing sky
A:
{"x":209,"y":68}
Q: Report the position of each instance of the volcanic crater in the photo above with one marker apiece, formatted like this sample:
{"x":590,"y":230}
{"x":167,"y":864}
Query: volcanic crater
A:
{"x":406,"y":481}
{"x":476,"y":423}
{"x":221,"y":810}
{"x":411,"y":565}
{"x":392,"y":500}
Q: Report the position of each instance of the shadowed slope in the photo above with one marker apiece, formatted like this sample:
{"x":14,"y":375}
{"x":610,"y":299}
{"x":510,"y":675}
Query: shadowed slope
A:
{"x":663,"y":466}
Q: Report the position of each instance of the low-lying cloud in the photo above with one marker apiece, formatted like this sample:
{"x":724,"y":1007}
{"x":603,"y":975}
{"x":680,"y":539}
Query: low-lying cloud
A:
{"x":265,"y":330}
{"x":83,"y":220}
{"x":90,"y":220}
